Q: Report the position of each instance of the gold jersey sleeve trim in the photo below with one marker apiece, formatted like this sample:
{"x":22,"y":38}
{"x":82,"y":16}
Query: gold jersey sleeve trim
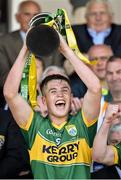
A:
{"x":115,"y":155}
{"x":88,"y":124}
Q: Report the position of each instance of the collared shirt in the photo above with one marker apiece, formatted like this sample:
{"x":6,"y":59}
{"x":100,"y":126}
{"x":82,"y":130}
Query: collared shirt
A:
{"x":98,"y":38}
{"x":119,"y":171}
{"x":23,"y":35}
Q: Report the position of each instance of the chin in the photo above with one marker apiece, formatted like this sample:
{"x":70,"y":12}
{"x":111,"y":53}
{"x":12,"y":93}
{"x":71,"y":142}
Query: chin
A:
{"x":61,"y":114}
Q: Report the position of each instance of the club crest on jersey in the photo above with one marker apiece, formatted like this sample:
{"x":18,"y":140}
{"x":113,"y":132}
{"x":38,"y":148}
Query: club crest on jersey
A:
{"x":71,"y":129}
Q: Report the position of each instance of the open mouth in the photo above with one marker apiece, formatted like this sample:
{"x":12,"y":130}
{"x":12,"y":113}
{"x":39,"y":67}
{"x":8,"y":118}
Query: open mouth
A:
{"x":60,"y":103}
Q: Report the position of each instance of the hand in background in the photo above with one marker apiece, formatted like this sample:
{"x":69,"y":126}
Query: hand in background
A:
{"x":76,"y":105}
{"x":113,"y":114}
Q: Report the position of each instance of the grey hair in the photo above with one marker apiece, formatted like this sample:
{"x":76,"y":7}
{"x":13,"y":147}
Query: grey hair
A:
{"x":55,"y":70}
{"x":114,"y":128}
{"x":91,"y":2}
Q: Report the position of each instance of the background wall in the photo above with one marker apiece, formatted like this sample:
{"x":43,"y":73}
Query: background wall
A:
{"x":53,"y":5}
{"x":47,"y":6}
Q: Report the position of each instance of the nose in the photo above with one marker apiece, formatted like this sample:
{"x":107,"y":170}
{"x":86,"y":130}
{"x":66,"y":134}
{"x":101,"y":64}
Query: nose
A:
{"x":99,"y":62}
{"x":98,"y":16}
{"x":114,"y":77}
{"x":59,"y":93}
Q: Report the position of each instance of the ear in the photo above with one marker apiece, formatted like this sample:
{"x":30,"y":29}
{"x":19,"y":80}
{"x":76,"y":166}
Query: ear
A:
{"x":17,"y":17}
{"x":71,"y":97}
{"x":42,"y":105}
{"x":44,"y":100}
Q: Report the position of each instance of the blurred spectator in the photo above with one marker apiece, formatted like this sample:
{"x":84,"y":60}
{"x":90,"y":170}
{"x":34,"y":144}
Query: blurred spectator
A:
{"x":113,"y":77}
{"x":14,"y":157}
{"x":99,"y":27}
{"x":114,"y":136}
{"x":103,"y":143}
{"x":99,"y":55}
{"x":11,"y":43}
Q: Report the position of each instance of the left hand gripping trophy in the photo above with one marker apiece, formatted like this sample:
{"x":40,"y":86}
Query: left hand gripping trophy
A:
{"x":43,"y":40}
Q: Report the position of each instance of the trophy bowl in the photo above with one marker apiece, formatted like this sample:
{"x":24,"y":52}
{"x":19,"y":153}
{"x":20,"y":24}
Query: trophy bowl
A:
{"x":42,"y":40}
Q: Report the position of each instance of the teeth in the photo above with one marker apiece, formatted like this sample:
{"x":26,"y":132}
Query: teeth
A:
{"x":60,"y":102}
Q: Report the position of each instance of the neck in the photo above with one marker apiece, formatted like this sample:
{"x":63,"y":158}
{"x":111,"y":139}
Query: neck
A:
{"x":104,"y":84}
{"x":58,"y":120}
{"x":116,"y":95}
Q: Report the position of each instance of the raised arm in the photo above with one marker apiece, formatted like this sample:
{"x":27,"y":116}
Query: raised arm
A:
{"x":102,"y":152}
{"x":91,"y":103}
{"x":18,"y":106}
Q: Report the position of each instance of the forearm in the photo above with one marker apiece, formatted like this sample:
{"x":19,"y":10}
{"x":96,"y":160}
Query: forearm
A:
{"x":100,"y":144}
{"x":12,"y":83}
{"x":84,"y":72}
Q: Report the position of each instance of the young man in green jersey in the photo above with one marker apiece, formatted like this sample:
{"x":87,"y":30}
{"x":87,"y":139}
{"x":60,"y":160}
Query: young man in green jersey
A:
{"x":60,"y":144}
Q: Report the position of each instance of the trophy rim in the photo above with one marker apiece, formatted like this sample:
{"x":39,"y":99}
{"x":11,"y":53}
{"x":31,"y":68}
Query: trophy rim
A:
{"x":39,"y":16}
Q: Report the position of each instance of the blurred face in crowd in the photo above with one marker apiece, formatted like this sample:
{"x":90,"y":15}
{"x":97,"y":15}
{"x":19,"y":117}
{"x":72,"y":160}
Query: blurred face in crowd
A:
{"x":57,"y":96}
{"x":98,"y":16}
{"x":115,"y":134}
{"x":115,"y":138}
{"x":113,"y":76}
{"x":26,"y":11}
{"x":100,"y":54}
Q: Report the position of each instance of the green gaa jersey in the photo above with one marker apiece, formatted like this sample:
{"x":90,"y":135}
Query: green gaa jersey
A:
{"x":60,"y":152}
{"x":117,"y":154}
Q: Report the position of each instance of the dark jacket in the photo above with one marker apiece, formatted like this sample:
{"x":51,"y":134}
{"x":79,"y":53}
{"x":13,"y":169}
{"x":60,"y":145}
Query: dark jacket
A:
{"x":84,"y":40}
{"x":108,"y":172}
{"x":14,"y":157}
{"x":10,"y":45}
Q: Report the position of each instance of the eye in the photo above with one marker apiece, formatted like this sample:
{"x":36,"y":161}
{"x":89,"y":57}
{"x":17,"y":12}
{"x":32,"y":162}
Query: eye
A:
{"x":65,"y":90}
{"x":53,"y":91}
{"x":119,"y":72}
{"x":109,"y":73}
{"x":115,"y":142}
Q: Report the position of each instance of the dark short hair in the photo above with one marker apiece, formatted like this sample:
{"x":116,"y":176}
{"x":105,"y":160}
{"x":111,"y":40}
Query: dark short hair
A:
{"x":53,"y":77}
{"x":113,"y":58}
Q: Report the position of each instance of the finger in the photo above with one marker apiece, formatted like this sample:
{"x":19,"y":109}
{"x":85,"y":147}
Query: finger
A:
{"x":77,"y":103}
{"x":73,"y":109}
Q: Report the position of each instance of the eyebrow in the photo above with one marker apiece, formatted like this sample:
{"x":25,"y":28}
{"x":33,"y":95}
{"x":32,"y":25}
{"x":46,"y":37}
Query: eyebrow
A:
{"x":118,"y":70}
{"x":65,"y":87}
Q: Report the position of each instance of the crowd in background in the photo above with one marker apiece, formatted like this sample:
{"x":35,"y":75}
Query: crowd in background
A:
{"x":95,"y":90}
